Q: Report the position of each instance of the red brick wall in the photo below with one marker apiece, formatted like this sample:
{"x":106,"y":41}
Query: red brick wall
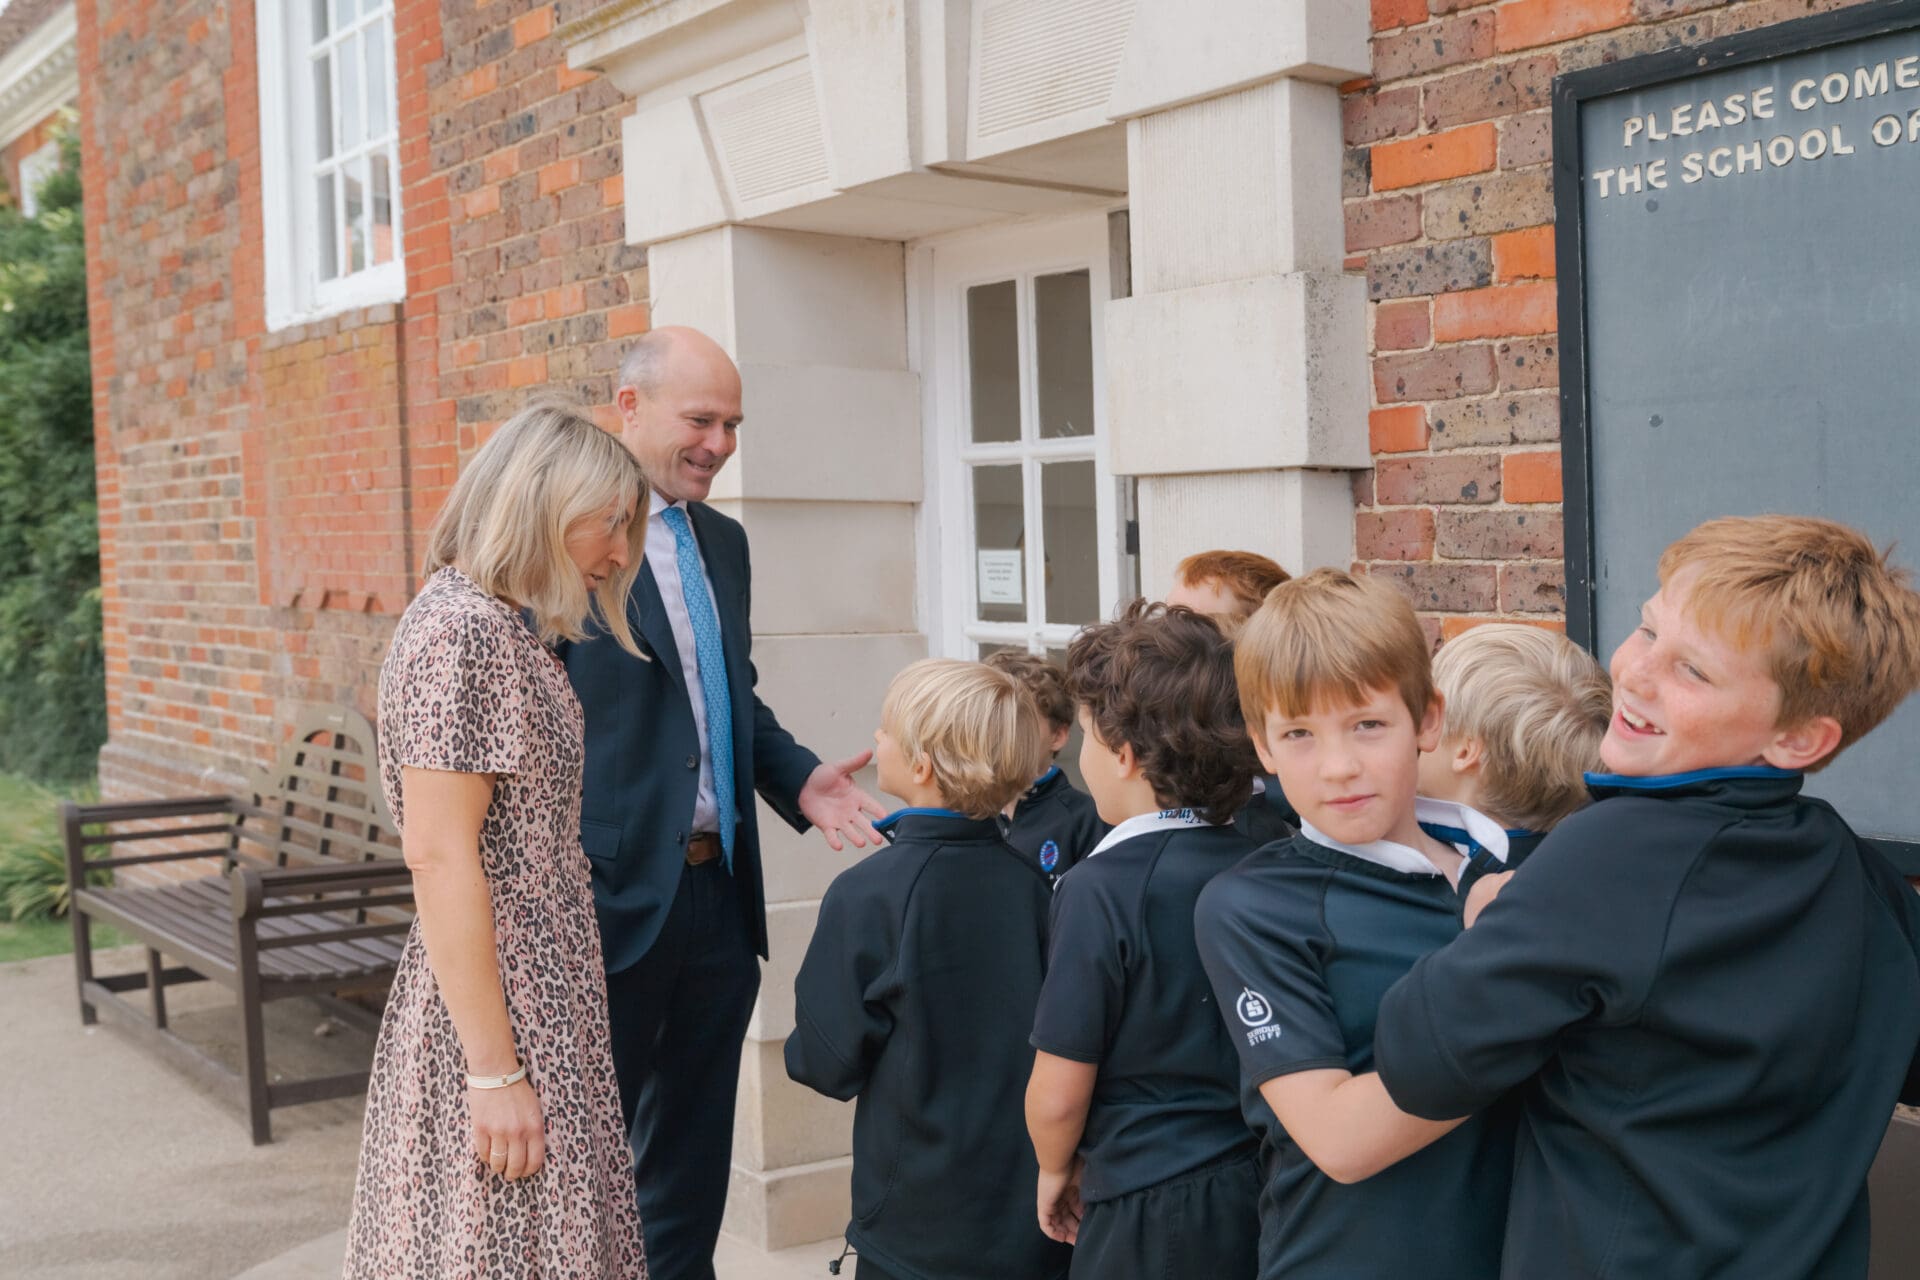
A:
{"x":263,"y":494}
{"x":1449,"y":208}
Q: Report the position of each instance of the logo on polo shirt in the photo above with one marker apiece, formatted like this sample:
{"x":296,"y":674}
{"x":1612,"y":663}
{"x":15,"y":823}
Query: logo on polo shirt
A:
{"x":1049,"y":856}
{"x":1253,"y":1008}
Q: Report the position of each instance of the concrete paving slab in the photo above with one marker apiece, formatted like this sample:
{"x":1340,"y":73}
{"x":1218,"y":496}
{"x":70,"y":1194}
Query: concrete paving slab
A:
{"x":133,"y":1170}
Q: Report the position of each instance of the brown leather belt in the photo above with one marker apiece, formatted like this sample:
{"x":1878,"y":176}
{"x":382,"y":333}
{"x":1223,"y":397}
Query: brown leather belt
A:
{"x":702,"y":849}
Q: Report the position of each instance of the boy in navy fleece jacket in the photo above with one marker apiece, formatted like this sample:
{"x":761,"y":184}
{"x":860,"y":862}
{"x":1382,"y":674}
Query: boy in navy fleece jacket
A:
{"x":1704,"y":987}
{"x":919,"y":985}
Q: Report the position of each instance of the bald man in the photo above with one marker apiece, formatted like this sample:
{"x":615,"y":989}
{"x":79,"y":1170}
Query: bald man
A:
{"x":676,"y":748}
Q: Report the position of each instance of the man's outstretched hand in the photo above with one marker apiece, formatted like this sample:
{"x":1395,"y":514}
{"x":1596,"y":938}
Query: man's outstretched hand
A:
{"x":832,"y":802}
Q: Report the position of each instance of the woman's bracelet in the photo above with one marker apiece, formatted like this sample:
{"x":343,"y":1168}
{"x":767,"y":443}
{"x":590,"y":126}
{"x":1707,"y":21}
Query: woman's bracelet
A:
{"x":497,"y":1082}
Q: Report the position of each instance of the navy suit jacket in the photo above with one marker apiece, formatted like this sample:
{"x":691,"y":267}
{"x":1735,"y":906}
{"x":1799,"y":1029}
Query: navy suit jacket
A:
{"x":643,"y":754}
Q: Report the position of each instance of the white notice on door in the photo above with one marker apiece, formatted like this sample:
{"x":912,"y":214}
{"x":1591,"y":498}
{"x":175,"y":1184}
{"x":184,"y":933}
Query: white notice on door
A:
{"x":1000,"y":577}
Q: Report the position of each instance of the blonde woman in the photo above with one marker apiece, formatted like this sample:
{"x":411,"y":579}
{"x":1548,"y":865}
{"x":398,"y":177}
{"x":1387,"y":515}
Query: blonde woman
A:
{"x":494,"y":1144}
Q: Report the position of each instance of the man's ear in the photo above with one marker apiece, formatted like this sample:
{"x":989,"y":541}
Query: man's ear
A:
{"x":627,"y":400}
{"x":1804,"y":745}
{"x":1468,"y":754}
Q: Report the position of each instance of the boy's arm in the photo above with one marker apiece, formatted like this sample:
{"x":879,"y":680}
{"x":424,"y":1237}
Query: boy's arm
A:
{"x":1263,"y":948}
{"x":1346,"y":1124}
{"x":1577,"y":937}
{"x":841,"y":1016}
{"x":1059,"y":1095}
{"x":1073,"y":1023}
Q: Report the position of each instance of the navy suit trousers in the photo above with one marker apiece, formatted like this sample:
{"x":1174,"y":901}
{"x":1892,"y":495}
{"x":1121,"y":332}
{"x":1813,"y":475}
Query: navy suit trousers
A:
{"x":678,"y":1018}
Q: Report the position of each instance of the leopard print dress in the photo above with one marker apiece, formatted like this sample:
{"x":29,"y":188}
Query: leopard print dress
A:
{"x":466,"y":687}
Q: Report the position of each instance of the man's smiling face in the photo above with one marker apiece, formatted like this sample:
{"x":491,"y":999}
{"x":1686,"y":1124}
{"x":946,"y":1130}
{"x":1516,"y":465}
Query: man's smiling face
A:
{"x":685,"y":428}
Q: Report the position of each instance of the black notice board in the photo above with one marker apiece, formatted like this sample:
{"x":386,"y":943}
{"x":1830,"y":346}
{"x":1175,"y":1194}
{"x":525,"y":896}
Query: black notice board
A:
{"x":1738,"y":232}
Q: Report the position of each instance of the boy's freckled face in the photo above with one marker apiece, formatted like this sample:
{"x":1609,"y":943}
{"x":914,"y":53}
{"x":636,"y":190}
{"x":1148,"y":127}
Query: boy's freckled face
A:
{"x":1351,"y":769}
{"x":1686,"y":698}
{"x":1210,"y":597}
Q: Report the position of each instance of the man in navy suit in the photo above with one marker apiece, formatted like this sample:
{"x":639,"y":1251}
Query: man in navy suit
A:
{"x":676,"y":748}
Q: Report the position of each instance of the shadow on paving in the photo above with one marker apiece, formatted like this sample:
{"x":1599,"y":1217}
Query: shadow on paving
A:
{"x":136,"y":1171}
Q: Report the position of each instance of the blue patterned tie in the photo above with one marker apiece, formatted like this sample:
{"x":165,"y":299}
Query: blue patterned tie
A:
{"x":711,"y":661}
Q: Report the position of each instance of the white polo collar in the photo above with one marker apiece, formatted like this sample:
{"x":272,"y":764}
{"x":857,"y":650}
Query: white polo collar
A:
{"x":1459,"y":826}
{"x":1143,"y":823}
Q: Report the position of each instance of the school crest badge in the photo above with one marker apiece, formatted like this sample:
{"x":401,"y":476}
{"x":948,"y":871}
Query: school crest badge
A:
{"x":1049,"y":856}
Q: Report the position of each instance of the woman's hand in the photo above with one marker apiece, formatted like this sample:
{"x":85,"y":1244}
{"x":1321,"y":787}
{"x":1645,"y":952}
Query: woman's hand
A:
{"x":1059,"y":1203}
{"x":509,"y":1133}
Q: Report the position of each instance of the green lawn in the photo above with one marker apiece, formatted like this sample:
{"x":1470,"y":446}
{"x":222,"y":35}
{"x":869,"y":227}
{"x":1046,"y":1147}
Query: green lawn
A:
{"x":30,"y":837}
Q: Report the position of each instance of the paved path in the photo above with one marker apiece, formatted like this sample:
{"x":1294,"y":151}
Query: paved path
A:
{"x":124,"y":1168}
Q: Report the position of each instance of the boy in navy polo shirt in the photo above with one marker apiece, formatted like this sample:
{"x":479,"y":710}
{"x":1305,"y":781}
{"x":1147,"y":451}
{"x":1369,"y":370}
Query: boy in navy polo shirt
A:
{"x":1228,"y":586}
{"x":1302,"y":938}
{"x":1705,"y":986}
{"x":1525,"y":712}
{"x":1053,"y":822}
{"x":919,"y":984}
{"x":1145,"y":1164}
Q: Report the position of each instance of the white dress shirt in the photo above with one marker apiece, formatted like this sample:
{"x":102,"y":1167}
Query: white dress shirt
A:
{"x":663,"y":557}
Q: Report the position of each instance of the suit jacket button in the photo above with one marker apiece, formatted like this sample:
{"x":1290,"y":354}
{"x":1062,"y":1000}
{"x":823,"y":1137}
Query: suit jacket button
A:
{"x":693,"y":762}
{"x":680,"y":837}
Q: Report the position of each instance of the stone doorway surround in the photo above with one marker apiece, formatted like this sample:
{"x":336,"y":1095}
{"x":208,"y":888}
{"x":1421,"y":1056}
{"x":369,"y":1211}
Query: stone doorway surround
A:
{"x":781,"y":156}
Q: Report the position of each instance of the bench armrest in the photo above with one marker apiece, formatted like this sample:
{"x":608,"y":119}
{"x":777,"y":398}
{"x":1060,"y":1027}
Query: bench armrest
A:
{"x":75,"y":818}
{"x":287,"y":891}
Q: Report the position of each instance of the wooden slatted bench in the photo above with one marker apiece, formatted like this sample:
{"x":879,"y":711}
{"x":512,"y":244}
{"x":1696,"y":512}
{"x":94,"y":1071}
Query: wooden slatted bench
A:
{"x":311,"y":899}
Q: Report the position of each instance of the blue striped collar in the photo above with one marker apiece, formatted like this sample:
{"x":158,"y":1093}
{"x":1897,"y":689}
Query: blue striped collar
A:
{"x":1667,"y":781}
{"x":892,"y":820}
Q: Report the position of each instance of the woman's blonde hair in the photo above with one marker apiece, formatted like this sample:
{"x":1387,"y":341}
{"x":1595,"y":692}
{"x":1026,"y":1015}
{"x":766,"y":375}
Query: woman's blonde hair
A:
{"x":980,"y":729}
{"x":543,"y":474}
{"x":1538,"y":705}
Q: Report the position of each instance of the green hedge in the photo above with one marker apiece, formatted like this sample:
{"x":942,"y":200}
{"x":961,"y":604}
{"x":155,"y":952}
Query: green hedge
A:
{"x":52,"y":679}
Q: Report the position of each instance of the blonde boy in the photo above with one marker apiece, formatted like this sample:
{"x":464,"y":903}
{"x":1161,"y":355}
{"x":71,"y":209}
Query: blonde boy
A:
{"x":1525,"y":712}
{"x":1704,"y":987}
{"x":1301,"y":939}
{"x":918,"y":989}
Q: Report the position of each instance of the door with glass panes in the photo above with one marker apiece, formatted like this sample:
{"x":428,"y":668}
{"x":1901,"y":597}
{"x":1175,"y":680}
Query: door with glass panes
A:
{"x":1031,"y":521}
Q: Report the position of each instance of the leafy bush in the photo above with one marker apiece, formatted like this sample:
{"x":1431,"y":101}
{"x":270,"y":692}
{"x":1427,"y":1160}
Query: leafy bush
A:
{"x":52,"y":676}
{"x":33,"y":859}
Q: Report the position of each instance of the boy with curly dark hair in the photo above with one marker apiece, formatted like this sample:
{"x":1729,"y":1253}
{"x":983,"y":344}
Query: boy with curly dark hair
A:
{"x":1145,"y":1162}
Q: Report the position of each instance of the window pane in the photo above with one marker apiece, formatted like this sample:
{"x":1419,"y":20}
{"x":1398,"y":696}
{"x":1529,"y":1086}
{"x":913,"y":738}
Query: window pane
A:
{"x":356,"y":202}
{"x":1072,"y":542}
{"x":999,"y":533}
{"x":382,"y":209}
{"x":325,"y":232}
{"x":323,"y":106}
{"x":1063,"y":346}
{"x":993,"y":359}
{"x":349,"y":101}
{"x":379,"y":50}
{"x":320,"y":27}
{"x":342,"y":13}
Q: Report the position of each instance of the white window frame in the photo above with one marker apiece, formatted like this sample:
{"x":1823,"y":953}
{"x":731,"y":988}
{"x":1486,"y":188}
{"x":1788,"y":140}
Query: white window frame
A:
{"x":942,"y":270}
{"x":295,"y":292}
{"x":35,"y":168}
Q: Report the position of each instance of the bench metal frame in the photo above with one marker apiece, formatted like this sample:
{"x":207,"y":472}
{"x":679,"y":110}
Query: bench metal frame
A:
{"x":310,"y":900}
